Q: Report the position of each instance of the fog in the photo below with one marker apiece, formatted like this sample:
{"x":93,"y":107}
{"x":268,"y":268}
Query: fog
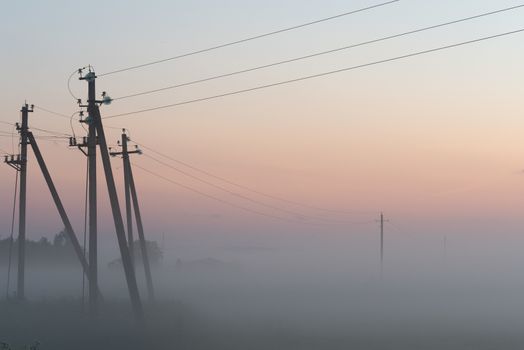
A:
{"x":300,"y":291}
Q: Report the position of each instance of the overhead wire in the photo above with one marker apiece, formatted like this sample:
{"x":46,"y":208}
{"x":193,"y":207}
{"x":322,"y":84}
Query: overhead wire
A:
{"x":13,"y":139}
{"x":71,"y":124}
{"x":7,"y":133}
{"x":69,"y":83}
{"x":247,"y":39}
{"x":234,"y":205}
{"x":308,"y":77}
{"x":58,"y":114}
{"x":317,"y":54}
{"x":65,"y":116}
{"x":11,"y":238}
{"x":47,"y":131}
{"x":217,"y":177}
{"x":51,"y":134}
{"x":296,"y":214}
{"x":85,"y":230}
{"x":12,"y":134}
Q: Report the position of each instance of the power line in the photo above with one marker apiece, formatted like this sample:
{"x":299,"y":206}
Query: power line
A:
{"x":261,"y":87}
{"x":65,"y":116}
{"x":11,"y":238}
{"x":85,"y":228}
{"x":51,"y":138}
{"x":62,"y":115}
{"x":53,"y":112}
{"x":52,"y":133}
{"x":170,"y":87}
{"x":43,"y":138}
{"x":56,"y":133}
{"x":248,"y":39}
{"x":220,"y":199}
{"x":223,"y":188}
{"x":69,"y":84}
{"x":7,"y":133}
{"x":274,"y":207}
{"x":207,"y":173}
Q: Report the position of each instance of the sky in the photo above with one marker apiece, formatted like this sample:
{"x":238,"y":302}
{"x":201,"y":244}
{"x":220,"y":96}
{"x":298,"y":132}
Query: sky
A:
{"x":432,"y":141}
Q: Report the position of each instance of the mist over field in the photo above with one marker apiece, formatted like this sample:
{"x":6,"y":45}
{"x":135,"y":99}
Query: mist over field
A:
{"x":307,"y":291}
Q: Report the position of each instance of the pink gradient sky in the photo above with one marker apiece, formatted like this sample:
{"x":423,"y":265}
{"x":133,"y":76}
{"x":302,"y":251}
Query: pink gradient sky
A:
{"x":436,"y":138}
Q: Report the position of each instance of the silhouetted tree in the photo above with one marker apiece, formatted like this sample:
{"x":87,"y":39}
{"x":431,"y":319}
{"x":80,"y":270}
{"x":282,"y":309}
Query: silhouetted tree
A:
{"x":41,"y":252}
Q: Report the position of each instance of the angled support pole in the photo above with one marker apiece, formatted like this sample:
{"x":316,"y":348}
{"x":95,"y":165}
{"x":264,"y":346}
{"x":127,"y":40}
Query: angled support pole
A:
{"x":59,"y":206}
{"x":141,"y":236}
{"x":130,"y":191}
{"x":96,"y":120}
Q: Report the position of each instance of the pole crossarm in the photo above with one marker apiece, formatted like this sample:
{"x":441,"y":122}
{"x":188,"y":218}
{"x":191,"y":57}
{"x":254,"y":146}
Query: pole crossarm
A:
{"x":14,"y":161}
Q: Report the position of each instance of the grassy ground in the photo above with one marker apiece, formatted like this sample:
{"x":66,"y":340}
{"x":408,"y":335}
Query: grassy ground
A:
{"x":62,"y":325}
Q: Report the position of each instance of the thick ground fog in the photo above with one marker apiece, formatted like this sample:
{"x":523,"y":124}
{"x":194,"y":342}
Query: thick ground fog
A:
{"x":298,"y":292}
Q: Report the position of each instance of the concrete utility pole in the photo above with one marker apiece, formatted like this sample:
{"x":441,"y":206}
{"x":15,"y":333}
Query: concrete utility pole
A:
{"x":93,"y":221}
{"x":125,"y":158}
{"x":20,"y":293}
{"x":130,"y":191}
{"x":381,"y":239}
{"x":20,"y":164}
{"x":96,"y":131}
{"x":382,"y":221}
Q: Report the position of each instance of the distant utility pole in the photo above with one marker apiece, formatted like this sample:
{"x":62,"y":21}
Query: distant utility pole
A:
{"x":20,"y":164}
{"x":130,"y":194}
{"x":97,"y":137}
{"x":382,"y":221}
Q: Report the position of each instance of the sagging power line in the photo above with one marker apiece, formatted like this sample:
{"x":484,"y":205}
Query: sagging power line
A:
{"x":278,"y":208}
{"x":317,"y":54}
{"x":246,"y":39}
{"x":250,"y":189}
{"x":62,"y":115}
{"x":294,"y":214}
{"x":218,"y":199}
{"x":314,"y":76}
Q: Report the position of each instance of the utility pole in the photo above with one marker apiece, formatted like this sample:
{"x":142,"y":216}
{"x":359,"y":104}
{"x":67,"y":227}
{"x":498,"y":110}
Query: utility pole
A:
{"x":90,"y":142}
{"x":127,"y":190}
{"x":96,"y":131}
{"x":381,"y":239}
{"x":20,"y":291}
{"x":130,"y":190}
{"x":382,"y":221}
{"x":92,"y":200}
{"x":20,"y":164}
